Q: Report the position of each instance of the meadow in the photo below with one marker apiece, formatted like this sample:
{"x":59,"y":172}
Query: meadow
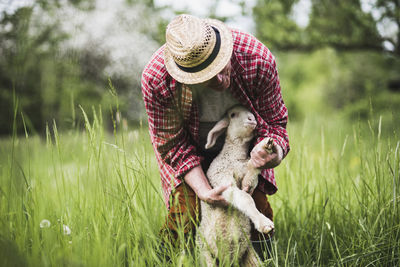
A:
{"x":91,"y":197}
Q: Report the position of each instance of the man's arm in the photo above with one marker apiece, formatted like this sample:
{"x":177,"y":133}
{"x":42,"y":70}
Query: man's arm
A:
{"x":274,"y":114}
{"x":170,"y":139}
{"x":198,"y":181}
{"x":172,"y":142}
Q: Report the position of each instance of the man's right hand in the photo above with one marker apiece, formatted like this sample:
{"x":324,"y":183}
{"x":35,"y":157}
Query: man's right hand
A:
{"x":214,"y":195}
{"x":198,"y":181}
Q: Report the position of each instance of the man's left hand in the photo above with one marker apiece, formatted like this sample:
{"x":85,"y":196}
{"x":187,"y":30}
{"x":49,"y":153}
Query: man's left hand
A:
{"x":260,"y":158}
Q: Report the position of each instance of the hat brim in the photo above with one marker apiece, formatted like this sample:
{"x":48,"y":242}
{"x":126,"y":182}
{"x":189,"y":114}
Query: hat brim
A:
{"x":220,"y":61}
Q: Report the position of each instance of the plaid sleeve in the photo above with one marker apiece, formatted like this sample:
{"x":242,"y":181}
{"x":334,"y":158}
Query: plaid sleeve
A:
{"x":270,"y":104}
{"x":170,"y":139}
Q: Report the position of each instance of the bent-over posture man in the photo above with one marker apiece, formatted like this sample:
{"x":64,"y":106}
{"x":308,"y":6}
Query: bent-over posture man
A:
{"x":203,"y":69}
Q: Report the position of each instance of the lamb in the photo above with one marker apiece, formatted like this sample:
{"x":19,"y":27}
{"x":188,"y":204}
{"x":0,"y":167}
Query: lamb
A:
{"x":230,"y":226}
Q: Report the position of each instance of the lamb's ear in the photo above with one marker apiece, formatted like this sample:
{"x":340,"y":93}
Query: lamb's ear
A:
{"x":216,"y":131}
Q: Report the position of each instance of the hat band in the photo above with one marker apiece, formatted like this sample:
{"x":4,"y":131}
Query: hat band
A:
{"x":209,"y":60}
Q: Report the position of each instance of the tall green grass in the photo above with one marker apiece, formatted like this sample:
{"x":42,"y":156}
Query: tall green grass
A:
{"x":337,"y":203}
{"x":339,"y":196}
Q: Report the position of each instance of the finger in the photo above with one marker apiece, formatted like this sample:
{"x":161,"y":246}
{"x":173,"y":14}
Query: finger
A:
{"x":261,"y":152}
{"x":275,"y":148}
{"x":218,"y":190}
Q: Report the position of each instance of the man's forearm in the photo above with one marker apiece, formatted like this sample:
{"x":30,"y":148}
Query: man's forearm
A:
{"x":198,"y":181}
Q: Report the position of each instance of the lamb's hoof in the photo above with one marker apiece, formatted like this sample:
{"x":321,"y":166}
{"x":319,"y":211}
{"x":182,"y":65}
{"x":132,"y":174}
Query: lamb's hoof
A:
{"x":264,"y":225}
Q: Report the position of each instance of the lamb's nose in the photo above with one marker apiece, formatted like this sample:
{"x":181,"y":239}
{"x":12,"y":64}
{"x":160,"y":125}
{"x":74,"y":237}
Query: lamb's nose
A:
{"x":251,"y":117}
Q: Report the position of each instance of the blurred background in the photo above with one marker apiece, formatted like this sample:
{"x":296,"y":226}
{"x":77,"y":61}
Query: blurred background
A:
{"x":335,"y":57}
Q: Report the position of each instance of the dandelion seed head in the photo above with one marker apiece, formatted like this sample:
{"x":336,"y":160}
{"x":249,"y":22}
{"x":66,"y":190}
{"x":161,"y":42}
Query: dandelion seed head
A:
{"x":45,"y":223}
{"x":66,"y":230}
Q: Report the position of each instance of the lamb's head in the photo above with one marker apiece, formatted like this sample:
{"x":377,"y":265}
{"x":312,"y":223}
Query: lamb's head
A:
{"x":240,"y":124}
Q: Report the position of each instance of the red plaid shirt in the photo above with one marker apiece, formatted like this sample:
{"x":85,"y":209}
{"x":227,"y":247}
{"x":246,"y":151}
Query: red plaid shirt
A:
{"x":173,"y":116}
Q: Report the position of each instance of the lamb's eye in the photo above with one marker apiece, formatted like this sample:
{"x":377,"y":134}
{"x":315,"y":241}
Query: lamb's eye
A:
{"x":233,"y":115}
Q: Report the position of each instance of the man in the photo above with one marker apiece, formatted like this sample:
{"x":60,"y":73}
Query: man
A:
{"x":203,"y":69}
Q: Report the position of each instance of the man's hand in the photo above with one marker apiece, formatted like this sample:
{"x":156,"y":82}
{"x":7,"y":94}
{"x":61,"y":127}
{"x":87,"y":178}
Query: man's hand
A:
{"x":214,"y":196}
{"x":262,"y":159}
{"x":198,"y":181}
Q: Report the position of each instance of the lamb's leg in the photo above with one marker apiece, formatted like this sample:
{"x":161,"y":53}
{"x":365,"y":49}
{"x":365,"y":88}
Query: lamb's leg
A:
{"x":245,"y":203}
{"x":250,"y":179}
{"x":206,"y":258}
{"x":251,"y":259}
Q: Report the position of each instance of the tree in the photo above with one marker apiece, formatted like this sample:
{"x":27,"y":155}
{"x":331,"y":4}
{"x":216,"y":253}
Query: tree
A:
{"x":54,"y":57}
{"x":341,"y":24}
{"x":358,"y":41}
{"x":21,"y":66}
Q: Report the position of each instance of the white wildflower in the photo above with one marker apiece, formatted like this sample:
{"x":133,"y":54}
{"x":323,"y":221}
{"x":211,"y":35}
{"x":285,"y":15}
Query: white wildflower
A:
{"x":66,"y":230}
{"x":45,"y":224}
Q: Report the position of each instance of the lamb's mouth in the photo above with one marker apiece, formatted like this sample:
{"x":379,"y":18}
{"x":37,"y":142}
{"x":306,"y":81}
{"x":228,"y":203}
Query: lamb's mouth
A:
{"x":251,"y":124}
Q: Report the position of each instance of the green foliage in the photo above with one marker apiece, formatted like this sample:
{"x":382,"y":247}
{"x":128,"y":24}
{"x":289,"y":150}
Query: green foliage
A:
{"x":50,"y":79}
{"x":351,"y":78}
{"x":340,"y":24}
{"x":19,"y":65}
{"x":349,"y":84}
{"x":274,"y":27}
{"x":40,"y":76}
{"x":343,"y":25}
{"x":362,"y":82}
{"x":304,"y":78}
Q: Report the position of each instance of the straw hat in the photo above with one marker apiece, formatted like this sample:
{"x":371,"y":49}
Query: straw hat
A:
{"x":196,"y":49}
